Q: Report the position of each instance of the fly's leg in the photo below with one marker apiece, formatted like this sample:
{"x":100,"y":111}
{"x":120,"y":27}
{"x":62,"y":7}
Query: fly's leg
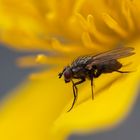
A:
{"x":92,"y":88}
{"x":123,"y":71}
{"x":91,"y":78}
{"x":75,"y":91}
{"x":97,"y":73}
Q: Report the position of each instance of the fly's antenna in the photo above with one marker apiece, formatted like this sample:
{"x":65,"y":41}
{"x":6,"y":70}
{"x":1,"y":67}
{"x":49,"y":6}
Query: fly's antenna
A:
{"x":61,"y":73}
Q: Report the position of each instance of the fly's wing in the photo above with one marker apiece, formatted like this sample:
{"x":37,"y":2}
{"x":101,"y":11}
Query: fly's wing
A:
{"x":117,"y":53}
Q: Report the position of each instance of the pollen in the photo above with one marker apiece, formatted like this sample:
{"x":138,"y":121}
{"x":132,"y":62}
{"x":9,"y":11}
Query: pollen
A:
{"x":41,"y":59}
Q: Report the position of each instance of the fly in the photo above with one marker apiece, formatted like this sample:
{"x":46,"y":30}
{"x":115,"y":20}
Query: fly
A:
{"x":92,"y":66}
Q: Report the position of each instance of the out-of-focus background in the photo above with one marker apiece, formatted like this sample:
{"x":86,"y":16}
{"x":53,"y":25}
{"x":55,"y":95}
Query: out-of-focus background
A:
{"x":11,"y":76}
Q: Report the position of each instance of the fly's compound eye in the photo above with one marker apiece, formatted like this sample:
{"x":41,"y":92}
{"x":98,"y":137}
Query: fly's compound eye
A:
{"x":67,"y":76}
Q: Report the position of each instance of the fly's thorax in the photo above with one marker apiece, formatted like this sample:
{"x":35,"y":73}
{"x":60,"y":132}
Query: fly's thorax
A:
{"x":79,"y":72}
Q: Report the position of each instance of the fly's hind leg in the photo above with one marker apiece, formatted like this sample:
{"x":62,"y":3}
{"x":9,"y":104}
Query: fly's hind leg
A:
{"x":123,"y":71}
{"x":75,"y":91}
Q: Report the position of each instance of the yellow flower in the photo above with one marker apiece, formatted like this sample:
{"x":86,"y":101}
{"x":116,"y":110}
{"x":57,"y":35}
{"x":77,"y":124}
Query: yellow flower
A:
{"x":69,"y":28}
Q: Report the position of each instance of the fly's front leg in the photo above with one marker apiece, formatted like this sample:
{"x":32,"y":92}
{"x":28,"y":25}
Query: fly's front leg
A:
{"x":75,"y":91}
{"x":77,"y":83}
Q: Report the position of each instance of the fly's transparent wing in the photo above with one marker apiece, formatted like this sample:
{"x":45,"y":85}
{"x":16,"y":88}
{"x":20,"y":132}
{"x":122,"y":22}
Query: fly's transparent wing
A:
{"x":112,"y":53}
{"x":117,"y":53}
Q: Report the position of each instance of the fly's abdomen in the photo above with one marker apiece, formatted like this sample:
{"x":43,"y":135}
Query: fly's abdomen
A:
{"x":109,"y":66}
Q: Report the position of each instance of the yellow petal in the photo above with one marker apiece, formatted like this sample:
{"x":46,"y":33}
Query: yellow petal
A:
{"x":111,"y":23}
{"x":38,"y":110}
{"x":29,"y":112}
{"x":111,"y":104}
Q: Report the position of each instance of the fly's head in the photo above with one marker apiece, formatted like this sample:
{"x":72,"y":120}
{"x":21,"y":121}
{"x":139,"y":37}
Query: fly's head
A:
{"x":67,"y":74}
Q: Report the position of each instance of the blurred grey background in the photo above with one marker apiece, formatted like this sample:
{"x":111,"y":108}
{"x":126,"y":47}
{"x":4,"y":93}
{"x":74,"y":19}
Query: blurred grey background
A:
{"x":11,"y":76}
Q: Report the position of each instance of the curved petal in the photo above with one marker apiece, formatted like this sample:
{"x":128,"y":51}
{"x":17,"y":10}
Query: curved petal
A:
{"x":114,"y":96}
{"x":109,"y":107}
{"x":30,"y":110}
{"x":38,"y":109}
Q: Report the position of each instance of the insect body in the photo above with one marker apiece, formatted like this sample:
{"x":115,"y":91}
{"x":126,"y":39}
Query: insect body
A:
{"x":92,"y":66}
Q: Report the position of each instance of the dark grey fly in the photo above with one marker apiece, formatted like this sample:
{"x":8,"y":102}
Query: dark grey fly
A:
{"x":92,"y":66}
